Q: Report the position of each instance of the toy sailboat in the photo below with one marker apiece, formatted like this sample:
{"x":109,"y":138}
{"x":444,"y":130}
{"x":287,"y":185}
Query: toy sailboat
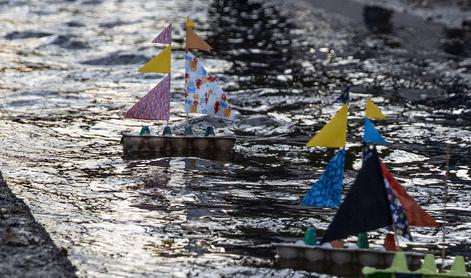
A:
{"x":375,"y":200}
{"x":202,"y":95}
{"x":374,"y":191}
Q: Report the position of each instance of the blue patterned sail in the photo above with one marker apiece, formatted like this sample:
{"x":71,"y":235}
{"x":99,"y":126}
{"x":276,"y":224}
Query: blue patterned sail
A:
{"x":327,"y":191}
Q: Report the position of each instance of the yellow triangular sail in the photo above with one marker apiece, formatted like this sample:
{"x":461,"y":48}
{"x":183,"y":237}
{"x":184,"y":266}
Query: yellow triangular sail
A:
{"x":160,"y":63}
{"x":372,"y":111}
{"x":334,"y":133}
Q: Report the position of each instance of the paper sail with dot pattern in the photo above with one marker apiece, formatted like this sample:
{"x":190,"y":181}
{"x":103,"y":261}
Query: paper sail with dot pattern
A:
{"x":416,"y":215}
{"x":365,"y":207}
{"x":400,"y":225}
{"x":327,"y":191}
{"x":202,"y":93}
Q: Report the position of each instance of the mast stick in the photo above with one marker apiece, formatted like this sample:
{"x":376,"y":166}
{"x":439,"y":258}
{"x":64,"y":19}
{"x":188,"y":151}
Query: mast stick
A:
{"x":395,"y":239}
{"x":186,"y":49}
{"x":445,"y":201}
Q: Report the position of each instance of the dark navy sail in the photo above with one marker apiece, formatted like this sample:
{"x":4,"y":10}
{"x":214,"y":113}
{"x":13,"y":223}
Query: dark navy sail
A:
{"x":366,"y":206}
{"x":344,"y":97}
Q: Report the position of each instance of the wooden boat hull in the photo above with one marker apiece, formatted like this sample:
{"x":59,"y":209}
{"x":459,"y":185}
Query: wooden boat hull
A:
{"x":337,"y":261}
{"x":159,"y":146}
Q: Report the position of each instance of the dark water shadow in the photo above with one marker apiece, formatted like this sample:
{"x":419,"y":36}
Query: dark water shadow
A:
{"x":256,"y":37}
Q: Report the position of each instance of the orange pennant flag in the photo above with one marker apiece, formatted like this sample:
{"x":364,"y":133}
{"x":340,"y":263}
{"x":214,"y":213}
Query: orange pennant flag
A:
{"x":415,"y":214}
{"x":193,"y":41}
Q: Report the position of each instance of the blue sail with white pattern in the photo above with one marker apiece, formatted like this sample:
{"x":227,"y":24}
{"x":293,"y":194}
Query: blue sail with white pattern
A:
{"x":327,"y":191}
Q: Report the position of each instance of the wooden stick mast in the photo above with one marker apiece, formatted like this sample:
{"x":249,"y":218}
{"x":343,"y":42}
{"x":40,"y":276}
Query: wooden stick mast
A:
{"x":445,"y":201}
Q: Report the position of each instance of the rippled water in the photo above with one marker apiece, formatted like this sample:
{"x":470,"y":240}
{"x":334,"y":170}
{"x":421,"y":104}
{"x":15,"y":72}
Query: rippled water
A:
{"x":69,"y":72}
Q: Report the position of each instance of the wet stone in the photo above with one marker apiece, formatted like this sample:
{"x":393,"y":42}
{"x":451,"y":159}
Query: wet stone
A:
{"x":25,"y":247}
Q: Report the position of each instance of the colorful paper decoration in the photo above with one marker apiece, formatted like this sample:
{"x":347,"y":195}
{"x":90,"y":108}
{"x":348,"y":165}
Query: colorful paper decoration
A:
{"x":400,"y":225}
{"x":165,"y":37}
{"x":202,"y":93}
{"x":400,"y":269}
{"x":334,"y":133}
{"x":193,"y":41}
{"x":189,"y":23}
{"x":372,"y":111}
{"x":155,"y":105}
{"x":160,"y":63}
{"x":366,"y":206}
{"x":371,"y":134}
{"x":327,"y":191}
{"x":345,"y":96}
{"x":416,"y":215}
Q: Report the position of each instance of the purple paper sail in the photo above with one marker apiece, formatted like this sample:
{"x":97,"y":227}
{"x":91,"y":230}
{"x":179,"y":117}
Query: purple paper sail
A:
{"x":155,"y":105}
{"x":165,"y":37}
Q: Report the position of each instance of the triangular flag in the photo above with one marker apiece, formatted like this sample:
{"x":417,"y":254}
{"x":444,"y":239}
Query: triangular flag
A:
{"x":371,"y":134}
{"x":189,"y":23}
{"x":400,"y":224}
{"x":155,"y":105}
{"x":193,"y":41}
{"x":165,"y":37}
{"x":334,"y":133}
{"x":366,"y":206}
{"x":458,"y":268}
{"x":399,"y":263}
{"x":428,"y":266}
{"x":416,"y":215}
{"x":327,"y":191}
{"x":160,"y":63}
{"x":345,"y":96}
{"x":202,"y":92}
{"x":372,"y":111}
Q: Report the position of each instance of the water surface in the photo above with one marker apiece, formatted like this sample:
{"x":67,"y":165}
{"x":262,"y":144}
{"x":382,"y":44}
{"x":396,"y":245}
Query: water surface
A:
{"x":70,"y":72}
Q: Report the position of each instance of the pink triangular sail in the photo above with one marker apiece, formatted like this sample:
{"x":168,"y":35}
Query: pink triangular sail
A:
{"x":165,"y":37}
{"x":155,"y":105}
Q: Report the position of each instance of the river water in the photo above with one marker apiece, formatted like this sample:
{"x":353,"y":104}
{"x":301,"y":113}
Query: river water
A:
{"x":69,"y":71}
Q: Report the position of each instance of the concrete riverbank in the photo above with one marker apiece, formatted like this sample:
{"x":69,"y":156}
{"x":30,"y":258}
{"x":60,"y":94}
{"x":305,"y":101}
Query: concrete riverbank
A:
{"x":26,"y":250}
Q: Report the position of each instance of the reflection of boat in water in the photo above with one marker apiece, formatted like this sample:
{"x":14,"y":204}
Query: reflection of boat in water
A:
{"x":210,"y":147}
{"x":375,"y":200}
{"x":202,"y":95}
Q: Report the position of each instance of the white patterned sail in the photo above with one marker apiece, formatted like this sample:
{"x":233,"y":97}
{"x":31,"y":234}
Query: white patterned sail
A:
{"x":202,"y":93}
